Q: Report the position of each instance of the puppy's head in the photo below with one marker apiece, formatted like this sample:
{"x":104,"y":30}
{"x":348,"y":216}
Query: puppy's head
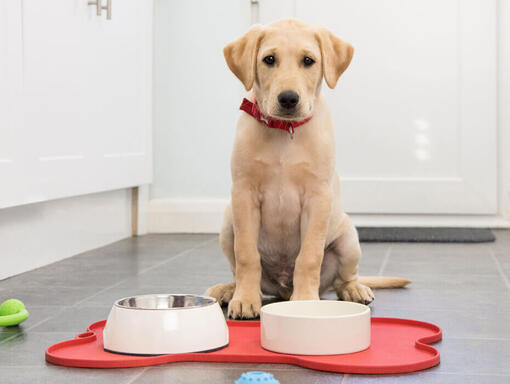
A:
{"x":285,"y":62}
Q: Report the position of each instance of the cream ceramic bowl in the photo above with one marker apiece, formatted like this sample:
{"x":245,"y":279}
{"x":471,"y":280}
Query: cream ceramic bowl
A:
{"x":319,"y":327}
{"x":164,"y":324}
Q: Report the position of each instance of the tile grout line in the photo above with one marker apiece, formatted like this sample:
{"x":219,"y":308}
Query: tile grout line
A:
{"x":385,"y":261}
{"x":185,"y":252}
{"x":502,"y":273}
{"x":136,"y":376}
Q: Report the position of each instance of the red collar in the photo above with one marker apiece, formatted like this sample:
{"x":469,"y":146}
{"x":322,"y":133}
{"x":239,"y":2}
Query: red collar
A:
{"x":253,"y":110}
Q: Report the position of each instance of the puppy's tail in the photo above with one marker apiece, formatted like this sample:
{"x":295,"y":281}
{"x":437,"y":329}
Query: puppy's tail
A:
{"x":383,"y":282}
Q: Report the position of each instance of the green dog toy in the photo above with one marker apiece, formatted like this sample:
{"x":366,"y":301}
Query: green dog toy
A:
{"x":12,"y":312}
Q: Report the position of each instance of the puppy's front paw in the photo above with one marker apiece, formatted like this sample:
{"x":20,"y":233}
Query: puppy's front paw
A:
{"x":244,"y":307}
{"x":354,"y":291}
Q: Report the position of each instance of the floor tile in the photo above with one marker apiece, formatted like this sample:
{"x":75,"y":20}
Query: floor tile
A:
{"x":457,"y":299}
{"x":79,"y":275}
{"x":475,"y":357}
{"x":502,"y":242}
{"x":445,"y":248}
{"x":455,"y":324}
{"x":441,"y":281}
{"x":372,"y":257}
{"x":73,"y":319}
{"x":191,"y":373}
{"x":51,"y":374}
{"x":28,"y":348}
{"x":42,"y":295}
{"x":480,"y":263}
{"x":427,"y":378}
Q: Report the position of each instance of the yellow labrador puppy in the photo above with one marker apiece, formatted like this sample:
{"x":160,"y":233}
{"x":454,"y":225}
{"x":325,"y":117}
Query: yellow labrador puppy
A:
{"x":285,"y":233}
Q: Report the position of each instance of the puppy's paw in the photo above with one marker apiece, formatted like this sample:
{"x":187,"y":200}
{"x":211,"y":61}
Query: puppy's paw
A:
{"x":356,"y":292}
{"x":222,"y":292}
{"x":244,"y":307}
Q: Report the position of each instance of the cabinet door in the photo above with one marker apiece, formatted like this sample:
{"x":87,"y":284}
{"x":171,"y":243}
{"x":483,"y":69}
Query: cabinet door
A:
{"x":415,"y":114}
{"x":10,"y":85}
{"x":85,"y":121}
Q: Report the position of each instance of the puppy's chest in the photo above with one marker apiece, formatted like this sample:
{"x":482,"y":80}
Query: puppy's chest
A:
{"x":281,"y":193}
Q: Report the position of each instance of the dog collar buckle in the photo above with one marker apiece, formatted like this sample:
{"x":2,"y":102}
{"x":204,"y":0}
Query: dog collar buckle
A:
{"x":291,"y":131}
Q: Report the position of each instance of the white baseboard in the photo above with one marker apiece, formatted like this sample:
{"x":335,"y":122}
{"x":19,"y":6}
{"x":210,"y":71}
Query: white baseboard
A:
{"x":206,"y":215}
{"x":185,"y":215}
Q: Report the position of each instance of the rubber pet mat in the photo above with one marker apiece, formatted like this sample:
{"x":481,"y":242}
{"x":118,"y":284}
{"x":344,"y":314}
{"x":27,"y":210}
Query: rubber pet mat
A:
{"x":397,"y":345}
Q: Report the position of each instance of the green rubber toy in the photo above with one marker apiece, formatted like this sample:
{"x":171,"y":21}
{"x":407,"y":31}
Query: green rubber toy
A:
{"x":12,"y":312}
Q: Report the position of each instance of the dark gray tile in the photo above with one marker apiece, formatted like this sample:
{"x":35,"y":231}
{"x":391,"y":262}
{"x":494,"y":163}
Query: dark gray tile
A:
{"x":73,"y":319}
{"x":456,"y":324}
{"x":28,"y":348}
{"x":479,"y":263}
{"x":42,"y":295}
{"x":441,"y":281}
{"x":74,"y":275}
{"x":427,"y":377}
{"x":191,"y":373}
{"x":52,"y":374}
{"x":203,"y":266}
{"x":502,"y":242}
{"x":444,"y":248}
{"x":372,"y":257}
{"x":443,"y":299}
{"x":475,"y":357}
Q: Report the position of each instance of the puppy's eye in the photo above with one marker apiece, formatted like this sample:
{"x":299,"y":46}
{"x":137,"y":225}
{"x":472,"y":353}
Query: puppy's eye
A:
{"x":269,"y":60}
{"x":308,"y":61}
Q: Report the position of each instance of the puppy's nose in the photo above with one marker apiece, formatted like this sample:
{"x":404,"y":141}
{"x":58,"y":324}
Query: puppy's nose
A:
{"x":288,"y":99}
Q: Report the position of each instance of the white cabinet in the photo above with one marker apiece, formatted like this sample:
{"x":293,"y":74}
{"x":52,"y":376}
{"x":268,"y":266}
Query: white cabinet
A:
{"x":83,"y":116}
{"x":415,"y":114}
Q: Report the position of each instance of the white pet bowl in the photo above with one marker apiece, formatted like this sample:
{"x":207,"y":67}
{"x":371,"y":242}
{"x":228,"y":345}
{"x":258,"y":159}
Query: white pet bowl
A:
{"x":164,"y":324}
{"x":317,"y":327}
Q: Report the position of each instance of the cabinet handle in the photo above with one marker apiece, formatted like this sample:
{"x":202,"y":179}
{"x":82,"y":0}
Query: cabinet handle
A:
{"x":99,"y":7}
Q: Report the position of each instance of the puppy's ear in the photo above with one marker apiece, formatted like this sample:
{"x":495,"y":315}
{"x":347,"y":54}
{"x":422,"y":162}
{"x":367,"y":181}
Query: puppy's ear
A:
{"x":336,"y":55}
{"x":241,"y":55}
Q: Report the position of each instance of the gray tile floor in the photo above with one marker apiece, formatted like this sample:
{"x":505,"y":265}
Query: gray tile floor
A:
{"x":464,"y":288}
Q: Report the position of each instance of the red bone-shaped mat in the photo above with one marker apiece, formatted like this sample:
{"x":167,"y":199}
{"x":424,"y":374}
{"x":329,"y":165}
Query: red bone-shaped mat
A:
{"x":397,"y":345}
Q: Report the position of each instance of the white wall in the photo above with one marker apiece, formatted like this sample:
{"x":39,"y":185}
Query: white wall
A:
{"x":34,"y":235}
{"x":192,"y":146}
